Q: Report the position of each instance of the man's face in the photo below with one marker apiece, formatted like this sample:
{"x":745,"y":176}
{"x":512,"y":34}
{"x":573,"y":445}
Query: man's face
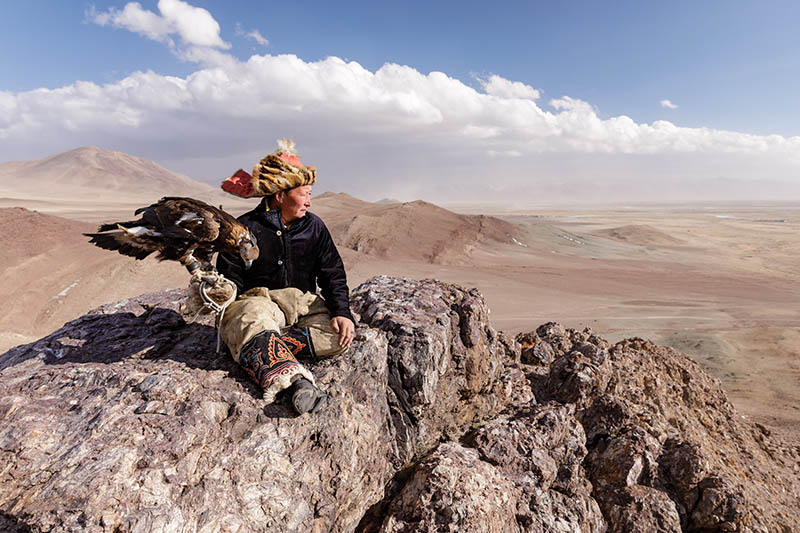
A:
{"x":294,"y":203}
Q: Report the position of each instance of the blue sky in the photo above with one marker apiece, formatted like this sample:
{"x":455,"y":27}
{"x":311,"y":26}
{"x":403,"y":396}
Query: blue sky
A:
{"x":730,"y":71}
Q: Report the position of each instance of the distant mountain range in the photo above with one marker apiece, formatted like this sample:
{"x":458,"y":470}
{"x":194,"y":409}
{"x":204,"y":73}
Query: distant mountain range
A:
{"x":98,"y":178}
{"x":95,"y":174}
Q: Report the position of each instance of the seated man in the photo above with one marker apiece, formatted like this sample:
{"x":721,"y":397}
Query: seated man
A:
{"x":278,"y":316}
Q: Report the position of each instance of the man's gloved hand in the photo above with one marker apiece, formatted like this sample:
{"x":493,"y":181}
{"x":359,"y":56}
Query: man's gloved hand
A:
{"x":218,"y":289}
{"x":345,"y":328}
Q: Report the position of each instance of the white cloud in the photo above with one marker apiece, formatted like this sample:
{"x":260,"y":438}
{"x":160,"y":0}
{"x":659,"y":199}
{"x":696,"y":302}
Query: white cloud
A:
{"x":396,"y":100}
{"x":668,"y":104}
{"x":194,"y":25}
{"x":392,"y":132}
{"x":503,"y":88}
{"x":252,"y":34}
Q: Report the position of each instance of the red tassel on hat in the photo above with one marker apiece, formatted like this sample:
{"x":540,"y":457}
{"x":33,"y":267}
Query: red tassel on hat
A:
{"x":292,"y":160}
{"x":240,"y":184}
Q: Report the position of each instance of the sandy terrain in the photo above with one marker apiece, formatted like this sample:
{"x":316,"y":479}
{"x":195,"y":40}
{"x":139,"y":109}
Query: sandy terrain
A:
{"x":51,"y":275}
{"x":721,"y":284}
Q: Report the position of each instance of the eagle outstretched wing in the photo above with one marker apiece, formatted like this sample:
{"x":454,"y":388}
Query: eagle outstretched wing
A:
{"x":180,"y":229}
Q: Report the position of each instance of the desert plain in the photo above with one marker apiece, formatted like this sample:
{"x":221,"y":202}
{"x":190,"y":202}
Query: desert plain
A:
{"x":718,"y":282}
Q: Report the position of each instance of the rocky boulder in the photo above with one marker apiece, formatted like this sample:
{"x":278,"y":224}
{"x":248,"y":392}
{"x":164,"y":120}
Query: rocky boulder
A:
{"x":126,"y":419}
{"x":666,"y":449}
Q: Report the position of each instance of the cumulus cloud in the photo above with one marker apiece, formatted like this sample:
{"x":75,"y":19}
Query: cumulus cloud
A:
{"x":252,"y":34}
{"x":194,"y":25}
{"x":668,"y":104}
{"x":503,"y":88}
{"x":393,"y":132}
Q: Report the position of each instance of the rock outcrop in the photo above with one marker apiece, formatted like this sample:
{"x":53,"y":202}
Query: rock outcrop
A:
{"x":126,"y":420}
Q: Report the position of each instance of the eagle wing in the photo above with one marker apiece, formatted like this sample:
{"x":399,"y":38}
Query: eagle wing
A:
{"x":126,"y":242}
{"x":179,"y":229}
{"x":184,"y":219}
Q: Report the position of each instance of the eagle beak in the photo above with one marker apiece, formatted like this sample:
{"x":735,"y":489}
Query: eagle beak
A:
{"x":249,"y":253}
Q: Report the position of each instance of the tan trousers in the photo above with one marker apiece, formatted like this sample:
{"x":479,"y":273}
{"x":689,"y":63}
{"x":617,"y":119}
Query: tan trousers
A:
{"x":259,"y":310}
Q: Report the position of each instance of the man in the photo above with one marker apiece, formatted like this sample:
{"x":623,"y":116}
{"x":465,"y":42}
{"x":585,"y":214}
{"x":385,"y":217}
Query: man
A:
{"x":278,"y":316}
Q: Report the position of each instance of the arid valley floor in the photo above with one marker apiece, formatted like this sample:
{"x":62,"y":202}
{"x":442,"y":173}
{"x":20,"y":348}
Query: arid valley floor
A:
{"x":721,"y":283}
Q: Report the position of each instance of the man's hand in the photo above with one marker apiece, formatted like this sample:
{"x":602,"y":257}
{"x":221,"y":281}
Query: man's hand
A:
{"x":345,"y":328}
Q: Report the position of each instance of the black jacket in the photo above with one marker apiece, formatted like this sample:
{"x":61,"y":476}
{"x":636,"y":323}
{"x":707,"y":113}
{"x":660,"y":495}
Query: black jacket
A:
{"x":302,"y":255}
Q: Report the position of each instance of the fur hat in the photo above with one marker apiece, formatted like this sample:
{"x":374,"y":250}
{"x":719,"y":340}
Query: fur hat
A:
{"x":278,"y":171}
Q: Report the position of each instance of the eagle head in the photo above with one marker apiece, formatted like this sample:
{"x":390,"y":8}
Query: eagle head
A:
{"x":248,"y":249}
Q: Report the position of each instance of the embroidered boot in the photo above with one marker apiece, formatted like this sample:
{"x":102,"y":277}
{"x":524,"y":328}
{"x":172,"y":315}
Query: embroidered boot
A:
{"x":270,"y":362}
{"x":298,"y":339}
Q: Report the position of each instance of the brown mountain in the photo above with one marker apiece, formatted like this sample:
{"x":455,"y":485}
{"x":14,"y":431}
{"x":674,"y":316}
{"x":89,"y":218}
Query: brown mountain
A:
{"x":410,"y":231}
{"x":95,"y":169}
{"x":92,"y":178}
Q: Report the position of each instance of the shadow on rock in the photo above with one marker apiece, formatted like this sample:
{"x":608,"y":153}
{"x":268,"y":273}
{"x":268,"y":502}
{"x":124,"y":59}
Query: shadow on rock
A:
{"x":148,"y":327}
{"x":11,"y":524}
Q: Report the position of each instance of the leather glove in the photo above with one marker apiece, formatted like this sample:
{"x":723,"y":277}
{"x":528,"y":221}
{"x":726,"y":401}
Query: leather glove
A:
{"x":218,"y":291}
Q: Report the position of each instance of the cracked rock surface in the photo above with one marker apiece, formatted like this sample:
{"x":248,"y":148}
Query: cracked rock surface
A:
{"x":126,"y":419}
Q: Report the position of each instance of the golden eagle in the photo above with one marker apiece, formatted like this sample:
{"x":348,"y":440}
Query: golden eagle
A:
{"x":179,"y":229}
